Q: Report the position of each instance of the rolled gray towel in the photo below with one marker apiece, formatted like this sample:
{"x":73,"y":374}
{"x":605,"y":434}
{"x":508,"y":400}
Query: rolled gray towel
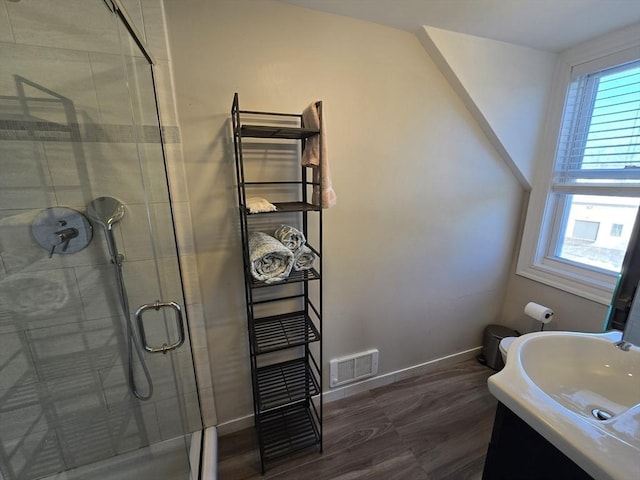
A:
{"x":290,"y":237}
{"x":303,"y":259}
{"x":270,"y":261}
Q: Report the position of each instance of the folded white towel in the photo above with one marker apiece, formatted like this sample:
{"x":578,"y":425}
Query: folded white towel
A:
{"x":269,"y":260}
{"x":315,"y":156}
{"x":290,"y":237}
{"x":259,"y":205}
{"x":304,"y":259}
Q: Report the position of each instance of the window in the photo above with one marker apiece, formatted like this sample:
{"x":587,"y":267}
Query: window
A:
{"x":616,"y":230}
{"x":598,"y":151}
{"x":594,"y":183}
{"x":584,"y":230}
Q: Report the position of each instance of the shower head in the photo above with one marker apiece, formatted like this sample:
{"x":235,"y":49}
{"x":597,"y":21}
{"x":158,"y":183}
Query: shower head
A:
{"x":105,"y":211}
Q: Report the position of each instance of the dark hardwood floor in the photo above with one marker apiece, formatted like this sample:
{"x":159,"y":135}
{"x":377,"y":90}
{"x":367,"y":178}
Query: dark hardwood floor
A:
{"x":430,"y":427}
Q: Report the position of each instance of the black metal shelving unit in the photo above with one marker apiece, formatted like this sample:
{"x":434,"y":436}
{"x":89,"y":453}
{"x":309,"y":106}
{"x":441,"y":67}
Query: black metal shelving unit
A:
{"x":284,"y":318}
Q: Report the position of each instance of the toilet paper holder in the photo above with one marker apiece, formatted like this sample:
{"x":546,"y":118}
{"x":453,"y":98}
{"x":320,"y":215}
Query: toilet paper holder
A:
{"x":539,"y":312}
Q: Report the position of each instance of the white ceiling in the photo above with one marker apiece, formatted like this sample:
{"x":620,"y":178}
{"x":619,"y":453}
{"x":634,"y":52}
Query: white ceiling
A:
{"x":552,"y":25}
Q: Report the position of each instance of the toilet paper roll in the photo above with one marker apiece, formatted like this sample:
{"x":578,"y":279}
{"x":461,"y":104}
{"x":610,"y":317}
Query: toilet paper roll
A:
{"x":538,"y":312}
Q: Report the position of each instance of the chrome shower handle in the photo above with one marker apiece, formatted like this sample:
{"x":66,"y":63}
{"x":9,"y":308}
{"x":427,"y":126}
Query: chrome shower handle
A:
{"x":178,"y":317}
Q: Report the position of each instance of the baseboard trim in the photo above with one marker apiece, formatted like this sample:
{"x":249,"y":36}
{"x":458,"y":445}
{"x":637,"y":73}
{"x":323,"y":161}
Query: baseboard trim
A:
{"x":397,"y":375}
{"x":334,"y":394}
{"x":235,"y":425}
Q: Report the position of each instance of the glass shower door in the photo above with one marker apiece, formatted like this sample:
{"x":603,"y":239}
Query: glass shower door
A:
{"x":78,"y":123}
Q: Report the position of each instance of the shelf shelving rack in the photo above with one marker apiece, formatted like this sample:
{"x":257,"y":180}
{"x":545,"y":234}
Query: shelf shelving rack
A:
{"x":285,"y":344}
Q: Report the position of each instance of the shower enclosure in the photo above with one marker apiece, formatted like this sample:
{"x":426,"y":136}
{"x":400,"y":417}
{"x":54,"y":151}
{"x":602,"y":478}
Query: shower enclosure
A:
{"x":96,"y":368}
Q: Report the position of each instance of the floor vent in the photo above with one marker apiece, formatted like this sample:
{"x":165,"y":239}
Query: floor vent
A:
{"x":353,"y":367}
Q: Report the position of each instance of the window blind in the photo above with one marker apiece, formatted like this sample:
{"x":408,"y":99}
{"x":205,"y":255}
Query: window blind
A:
{"x":599,"y":145}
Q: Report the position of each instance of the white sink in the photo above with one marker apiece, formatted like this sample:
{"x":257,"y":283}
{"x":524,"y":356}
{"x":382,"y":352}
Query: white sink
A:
{"x":582,"y":372}
{"x":581,"y":393}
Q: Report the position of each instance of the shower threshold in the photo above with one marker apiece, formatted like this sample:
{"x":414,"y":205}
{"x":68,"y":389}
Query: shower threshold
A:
{"x":165,"y":460}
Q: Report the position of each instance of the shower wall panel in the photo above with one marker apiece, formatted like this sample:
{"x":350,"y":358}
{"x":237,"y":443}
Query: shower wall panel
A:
{"x":64,"y":399}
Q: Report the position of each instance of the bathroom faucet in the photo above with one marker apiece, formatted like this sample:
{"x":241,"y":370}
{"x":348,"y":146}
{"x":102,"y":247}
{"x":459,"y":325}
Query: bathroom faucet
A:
{"x":631,"y":333}
{"x":622,"y":345}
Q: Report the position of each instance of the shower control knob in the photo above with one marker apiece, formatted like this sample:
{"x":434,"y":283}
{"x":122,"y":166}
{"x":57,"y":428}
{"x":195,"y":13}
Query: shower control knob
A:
{"x":61,"y":230}
{"x":65,"y":237}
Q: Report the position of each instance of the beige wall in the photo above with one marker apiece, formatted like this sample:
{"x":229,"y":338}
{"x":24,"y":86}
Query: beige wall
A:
{"x":505,"y":82}
{"x":572,"y":313}
{"x":505,"y":86}
{"x":417,"y":251}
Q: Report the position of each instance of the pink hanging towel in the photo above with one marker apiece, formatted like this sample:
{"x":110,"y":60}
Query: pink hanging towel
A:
{"x":315,"y":154}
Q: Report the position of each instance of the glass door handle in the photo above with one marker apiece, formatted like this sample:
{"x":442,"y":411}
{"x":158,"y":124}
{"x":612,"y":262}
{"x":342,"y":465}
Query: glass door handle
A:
{"x":164,"y":348}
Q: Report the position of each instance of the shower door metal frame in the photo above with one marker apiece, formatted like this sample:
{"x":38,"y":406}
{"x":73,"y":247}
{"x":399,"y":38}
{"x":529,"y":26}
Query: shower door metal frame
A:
{"x":118,"y":9}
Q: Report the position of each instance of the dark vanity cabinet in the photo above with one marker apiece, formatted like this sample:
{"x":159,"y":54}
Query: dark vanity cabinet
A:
{"x":518,"y":452}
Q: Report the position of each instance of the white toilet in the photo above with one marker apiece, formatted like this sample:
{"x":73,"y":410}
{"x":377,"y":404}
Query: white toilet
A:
{"x":505,"y":344}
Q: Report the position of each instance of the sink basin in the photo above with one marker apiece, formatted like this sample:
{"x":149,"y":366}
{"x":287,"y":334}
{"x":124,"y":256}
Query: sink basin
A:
{"x":581,"y":393}
{"x":583,"y":373}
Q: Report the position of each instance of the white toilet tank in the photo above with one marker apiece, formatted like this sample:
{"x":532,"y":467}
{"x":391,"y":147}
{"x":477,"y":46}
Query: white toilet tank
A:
{"x":505,"y":344}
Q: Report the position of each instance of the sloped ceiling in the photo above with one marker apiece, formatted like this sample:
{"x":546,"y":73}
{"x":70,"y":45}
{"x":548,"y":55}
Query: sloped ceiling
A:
{"x":504,"y":86}
{"x":551,"y":25}
{"x":498,"y":55}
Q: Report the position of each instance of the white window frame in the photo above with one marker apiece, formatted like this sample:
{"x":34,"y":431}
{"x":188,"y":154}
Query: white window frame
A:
{"x":605,"y":52}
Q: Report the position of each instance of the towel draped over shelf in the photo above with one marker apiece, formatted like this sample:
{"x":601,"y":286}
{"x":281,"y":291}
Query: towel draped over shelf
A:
{"x":315,"y":155}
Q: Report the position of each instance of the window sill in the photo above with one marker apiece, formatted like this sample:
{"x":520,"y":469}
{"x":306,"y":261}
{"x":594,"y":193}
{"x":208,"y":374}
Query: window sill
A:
{"x":591,"y":289}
